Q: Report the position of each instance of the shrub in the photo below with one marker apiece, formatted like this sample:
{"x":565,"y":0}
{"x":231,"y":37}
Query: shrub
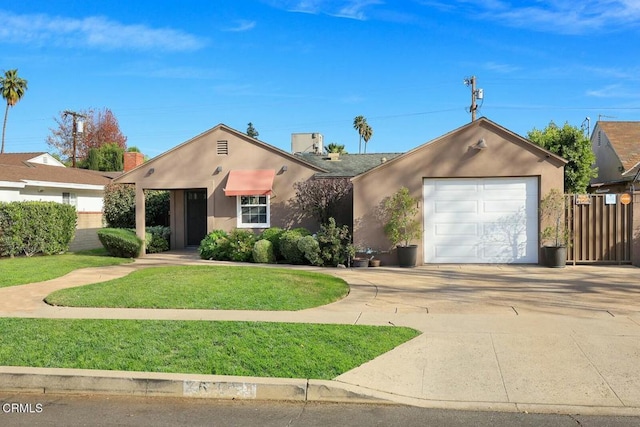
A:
{"x":334,"y":243}
{"x":310,"y":248}
{"x":263,"y":252}
{"x":120,"y":206}
{"x":159,"y":236}
{"x":289,"y":247}
{"x":273,"y":235}
{"x":120,"y":242}
{"x":36,"y":227}
{"x":241,"y":245}
{"x":215,"y":246}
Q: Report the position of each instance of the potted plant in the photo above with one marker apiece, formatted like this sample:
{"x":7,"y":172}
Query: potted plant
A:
{"x":402,"y":226}
{"x":555,"y":234}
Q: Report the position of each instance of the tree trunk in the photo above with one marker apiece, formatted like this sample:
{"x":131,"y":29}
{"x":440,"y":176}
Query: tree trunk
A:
{"x":4,"y":127}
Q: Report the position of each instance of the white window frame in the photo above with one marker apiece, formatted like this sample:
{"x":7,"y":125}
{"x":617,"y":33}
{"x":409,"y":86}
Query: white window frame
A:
{"x":239,"y":205}
{"x":70,"y":199}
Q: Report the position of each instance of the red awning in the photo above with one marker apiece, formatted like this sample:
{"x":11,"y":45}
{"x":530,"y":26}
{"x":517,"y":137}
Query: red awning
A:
{"x":250,"y":182}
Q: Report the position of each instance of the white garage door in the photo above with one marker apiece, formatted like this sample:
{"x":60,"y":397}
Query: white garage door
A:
{"x":489,"y":220}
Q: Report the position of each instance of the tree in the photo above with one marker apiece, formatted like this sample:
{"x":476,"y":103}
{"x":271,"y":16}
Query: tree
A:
{"x":251,"y":131}
{"x":100,"y":128}
{"x":364,"y":130}
{"x":570,"y":143}
{"x":336,"y":148}
{"x":13,"y":89}
{"x":108,"y":158}
{"x":321,"y":196}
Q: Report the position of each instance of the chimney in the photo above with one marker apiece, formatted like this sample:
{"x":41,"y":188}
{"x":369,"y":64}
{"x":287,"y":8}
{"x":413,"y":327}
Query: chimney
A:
{"x":132,"y":160}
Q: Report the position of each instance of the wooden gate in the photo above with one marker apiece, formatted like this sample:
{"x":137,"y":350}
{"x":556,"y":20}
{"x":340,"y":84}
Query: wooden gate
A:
{"x":601,"y":229}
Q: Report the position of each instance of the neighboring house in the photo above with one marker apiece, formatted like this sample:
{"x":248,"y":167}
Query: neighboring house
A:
{"x":479,"y":188}
{"x":616,"y":146}
{"x":40,"y":177}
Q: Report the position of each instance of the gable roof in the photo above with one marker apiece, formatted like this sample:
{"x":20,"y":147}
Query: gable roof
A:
{"x":230,"y":130}
{"x":484,"y":122}
{"x":35,"y":172}
{"x":625,"y":141}
{"x":348,"y":165}
{"x":18,"y":159}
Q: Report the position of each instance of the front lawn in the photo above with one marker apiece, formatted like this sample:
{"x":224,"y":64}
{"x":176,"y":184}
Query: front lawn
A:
{"x":260,"y":349}
{"x":22,"y":270}
{"x":208,"y":287}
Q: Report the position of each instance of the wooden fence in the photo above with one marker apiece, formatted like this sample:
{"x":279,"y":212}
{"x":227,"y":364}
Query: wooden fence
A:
{"x":601,"y":229}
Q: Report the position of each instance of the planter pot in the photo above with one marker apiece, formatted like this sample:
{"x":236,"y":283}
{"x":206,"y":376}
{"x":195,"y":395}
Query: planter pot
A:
{"x":407,"y":255}
{"x":360,"y":262}
{"x":374,"y":263}
{"x":554,"y":256}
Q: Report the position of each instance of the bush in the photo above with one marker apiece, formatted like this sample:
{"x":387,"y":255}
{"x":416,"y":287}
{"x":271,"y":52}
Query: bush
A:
{"x":158,"y":239}
{"x":334,"y":243}
{"x":289,"y":246}
{"x":215,"y":246}
{"x":120,"y":206}
{"x":273,"y":234}
{"x":263,"y":252}
{"x":241,"y":245}
{"x":120,"y":242}
{"x":36,"y":227}
{"x":310,"y":248}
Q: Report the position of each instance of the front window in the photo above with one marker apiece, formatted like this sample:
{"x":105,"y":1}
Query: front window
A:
{"x":253,"y":212}
{"x":69,"y":199}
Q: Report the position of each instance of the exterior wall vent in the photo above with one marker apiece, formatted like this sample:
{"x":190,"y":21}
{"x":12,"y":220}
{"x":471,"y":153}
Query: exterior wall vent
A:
{"x":223,"y":148}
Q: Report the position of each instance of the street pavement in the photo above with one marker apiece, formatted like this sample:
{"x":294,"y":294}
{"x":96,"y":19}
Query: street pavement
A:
{"x":494,"y":337}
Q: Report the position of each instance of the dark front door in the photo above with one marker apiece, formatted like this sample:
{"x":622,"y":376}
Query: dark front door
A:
{"x":196,"y":215}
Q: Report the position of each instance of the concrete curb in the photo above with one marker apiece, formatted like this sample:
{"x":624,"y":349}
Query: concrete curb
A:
{"x":81,"y":381}
{"x":123,"y":383}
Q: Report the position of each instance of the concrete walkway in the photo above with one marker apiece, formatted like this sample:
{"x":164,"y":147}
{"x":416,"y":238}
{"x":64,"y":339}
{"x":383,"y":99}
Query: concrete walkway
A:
{"x":512,"y":338}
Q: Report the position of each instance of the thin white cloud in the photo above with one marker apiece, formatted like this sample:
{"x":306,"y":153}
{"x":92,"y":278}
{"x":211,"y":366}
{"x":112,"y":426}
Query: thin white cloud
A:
{"x":241,"y":26}
{"x":351,"y":9}
{"x":92,"y":32}
{"x":500,"y":68}
{"x":614,"y":91}
{"x":558,"y":16}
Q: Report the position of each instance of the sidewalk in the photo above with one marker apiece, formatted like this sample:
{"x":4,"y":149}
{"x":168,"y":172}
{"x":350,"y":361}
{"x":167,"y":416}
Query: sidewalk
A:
{"x":511,"y":338}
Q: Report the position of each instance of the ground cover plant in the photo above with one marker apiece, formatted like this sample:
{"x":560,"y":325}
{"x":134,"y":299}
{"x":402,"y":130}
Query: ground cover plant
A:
{"x":262,"y":349}
{"x":22,"y":270}
{"x":209,"y":287}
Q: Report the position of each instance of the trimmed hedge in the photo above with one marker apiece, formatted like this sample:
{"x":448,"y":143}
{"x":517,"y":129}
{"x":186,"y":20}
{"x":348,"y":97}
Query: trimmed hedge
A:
{"x":263,"y":252}
{"x":36,"y":227}
{"x":120,"y":242}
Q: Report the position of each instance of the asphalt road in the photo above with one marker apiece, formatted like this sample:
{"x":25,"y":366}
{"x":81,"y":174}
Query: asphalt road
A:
{"x":74,"y":410}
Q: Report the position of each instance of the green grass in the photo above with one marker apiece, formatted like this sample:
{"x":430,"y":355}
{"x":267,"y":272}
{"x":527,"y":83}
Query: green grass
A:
{"x":208,"y":287}
{"x":222,"y":348}
{"x":22,"y":270}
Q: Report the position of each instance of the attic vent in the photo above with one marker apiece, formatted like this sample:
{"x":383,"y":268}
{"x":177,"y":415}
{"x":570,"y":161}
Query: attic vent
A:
{"x":45,"y":160}
{"x":223,"y":148}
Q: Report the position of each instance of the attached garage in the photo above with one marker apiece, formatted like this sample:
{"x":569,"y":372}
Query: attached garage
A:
{"x":478,"y":187}
{"x":481,"y":220}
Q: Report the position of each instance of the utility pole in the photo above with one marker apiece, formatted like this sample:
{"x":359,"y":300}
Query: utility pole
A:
{"x":475,"y":95}
{"x":78,"y":127}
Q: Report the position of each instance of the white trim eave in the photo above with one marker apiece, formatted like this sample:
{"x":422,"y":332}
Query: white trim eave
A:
{"x":12,"y":184}
{"x":74,"y":186}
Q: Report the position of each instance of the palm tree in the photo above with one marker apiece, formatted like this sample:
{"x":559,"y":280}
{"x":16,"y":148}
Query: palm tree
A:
{"x":367,"y":133}
{"x":336,"y":148}
{"x":13,"y":89}
{"x":359,"y":124}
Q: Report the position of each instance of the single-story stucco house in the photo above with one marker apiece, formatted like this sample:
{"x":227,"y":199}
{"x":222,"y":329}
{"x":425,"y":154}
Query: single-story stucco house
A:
{"x":40,"y":177}
{"x":479,"y":187}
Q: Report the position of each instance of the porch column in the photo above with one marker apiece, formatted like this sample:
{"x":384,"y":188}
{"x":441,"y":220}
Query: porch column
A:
{"x":635,"y":229}
{"x":140,"y":217}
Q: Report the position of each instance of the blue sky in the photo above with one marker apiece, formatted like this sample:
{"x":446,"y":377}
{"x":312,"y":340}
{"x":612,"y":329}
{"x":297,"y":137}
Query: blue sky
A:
{"x":172,"y":70}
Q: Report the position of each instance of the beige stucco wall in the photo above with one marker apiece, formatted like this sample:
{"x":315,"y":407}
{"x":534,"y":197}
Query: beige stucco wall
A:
{"x":192,"y":165}
{"x":506,"y":155}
